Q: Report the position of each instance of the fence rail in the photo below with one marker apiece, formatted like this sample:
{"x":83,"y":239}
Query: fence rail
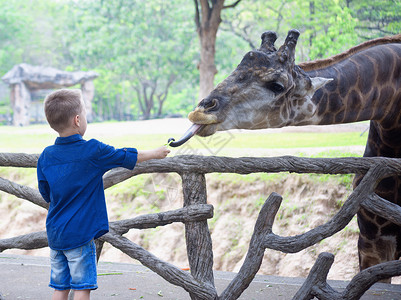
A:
{"x":199,"y":283}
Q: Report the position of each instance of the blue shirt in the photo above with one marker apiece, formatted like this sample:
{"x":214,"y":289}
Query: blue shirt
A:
{"x":70,"y":178}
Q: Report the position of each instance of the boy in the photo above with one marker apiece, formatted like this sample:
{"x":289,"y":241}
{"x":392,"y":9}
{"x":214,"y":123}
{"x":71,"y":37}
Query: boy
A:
{"x":70,"y":178}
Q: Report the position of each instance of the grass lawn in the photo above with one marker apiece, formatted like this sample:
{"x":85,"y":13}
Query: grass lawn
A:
{"x":32,"y":139}
{"x":285,"y":140}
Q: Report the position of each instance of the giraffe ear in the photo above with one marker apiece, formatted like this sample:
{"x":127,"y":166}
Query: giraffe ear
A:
{"x":318,"y":82}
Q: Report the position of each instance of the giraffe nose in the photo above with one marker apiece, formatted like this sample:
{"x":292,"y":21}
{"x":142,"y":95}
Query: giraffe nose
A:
{"x":210,"y":104}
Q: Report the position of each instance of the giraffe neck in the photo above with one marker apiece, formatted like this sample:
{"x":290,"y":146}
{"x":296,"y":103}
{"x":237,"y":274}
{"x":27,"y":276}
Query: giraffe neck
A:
{"x":365,"y":86}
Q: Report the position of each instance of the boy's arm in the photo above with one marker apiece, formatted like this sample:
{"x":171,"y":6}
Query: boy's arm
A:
{"x":43,"y":185}
{"x":44,"y":190}
{"x":157,"y":153}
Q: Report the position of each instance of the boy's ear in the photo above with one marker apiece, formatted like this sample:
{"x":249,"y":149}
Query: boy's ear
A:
{"x":76,"y":120}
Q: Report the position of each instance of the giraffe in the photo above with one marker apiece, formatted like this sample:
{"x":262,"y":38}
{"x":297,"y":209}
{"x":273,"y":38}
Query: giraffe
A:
{"x":268,"y":90}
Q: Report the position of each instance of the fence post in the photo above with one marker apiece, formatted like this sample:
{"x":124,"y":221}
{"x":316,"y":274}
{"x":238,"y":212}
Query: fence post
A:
{"x":197,"y":234}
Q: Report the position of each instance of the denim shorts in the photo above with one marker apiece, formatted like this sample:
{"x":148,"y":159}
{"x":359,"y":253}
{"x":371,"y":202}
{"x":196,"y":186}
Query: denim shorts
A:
{"x":74,"y":269}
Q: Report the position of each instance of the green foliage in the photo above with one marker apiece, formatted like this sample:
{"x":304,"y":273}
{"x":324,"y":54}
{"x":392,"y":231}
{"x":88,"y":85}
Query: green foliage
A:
{"x":28,"y":33}
{"x":137,"y":48}
{"x":13,"y":30}
{"x":376,"y":18}
{"x":146,"y":52}
{"x":327,"y":27}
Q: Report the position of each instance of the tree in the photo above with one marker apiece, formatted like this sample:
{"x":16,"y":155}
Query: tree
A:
{"x":11,"y":24}
{"x":254,"y":17}
{"x":376,"y":18}
{"x":327,"y":27}
{"x":139,"y":45}
{"x":207,"y":20}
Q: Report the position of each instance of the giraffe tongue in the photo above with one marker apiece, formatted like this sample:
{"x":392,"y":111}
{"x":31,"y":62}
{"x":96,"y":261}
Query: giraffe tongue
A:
{"x":187,"y":135}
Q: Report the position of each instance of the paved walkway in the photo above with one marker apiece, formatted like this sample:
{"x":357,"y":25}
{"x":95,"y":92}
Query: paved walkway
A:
{"x":26,"y":277}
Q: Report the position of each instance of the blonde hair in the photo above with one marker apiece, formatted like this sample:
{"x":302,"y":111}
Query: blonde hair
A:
{"x":62,"y":105}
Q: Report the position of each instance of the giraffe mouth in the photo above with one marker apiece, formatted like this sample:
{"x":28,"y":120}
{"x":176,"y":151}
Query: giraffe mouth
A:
{"x":204,"y":125}
{"x":199,"y":116}
{"x":208,"y":120}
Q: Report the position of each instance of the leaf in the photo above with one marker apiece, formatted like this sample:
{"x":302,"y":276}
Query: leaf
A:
{"x":105,"y":274}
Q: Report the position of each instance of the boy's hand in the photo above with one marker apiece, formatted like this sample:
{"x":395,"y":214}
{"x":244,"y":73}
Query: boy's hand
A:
{"x":158,"y":153}
{"x":161,"y":152}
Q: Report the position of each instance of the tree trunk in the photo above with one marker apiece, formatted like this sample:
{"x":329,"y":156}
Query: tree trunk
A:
{"x":208,"y":19}
{"x":207,"y":66}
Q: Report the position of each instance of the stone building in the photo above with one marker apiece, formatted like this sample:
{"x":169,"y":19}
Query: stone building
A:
{"x":28,"y":84}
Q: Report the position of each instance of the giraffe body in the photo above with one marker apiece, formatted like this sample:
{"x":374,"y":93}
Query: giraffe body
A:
{"x":267,"y":90}
{"x":367,"y":86}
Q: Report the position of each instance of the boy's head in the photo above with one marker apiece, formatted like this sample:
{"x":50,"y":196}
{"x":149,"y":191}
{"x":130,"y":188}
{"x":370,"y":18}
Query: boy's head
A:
{"x":62,"y":106}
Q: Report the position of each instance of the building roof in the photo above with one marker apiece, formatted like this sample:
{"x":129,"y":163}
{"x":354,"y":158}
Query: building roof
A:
{"x":39,"y":77}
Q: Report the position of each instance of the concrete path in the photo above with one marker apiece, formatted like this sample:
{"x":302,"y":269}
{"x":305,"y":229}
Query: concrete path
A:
{"x":26,"y":277}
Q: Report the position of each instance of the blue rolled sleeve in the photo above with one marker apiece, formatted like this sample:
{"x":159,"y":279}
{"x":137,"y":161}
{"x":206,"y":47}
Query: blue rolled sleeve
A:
{"x":131,"y":157}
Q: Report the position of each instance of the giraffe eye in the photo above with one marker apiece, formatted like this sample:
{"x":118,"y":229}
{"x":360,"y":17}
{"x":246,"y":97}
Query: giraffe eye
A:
{"x":275,"y":87}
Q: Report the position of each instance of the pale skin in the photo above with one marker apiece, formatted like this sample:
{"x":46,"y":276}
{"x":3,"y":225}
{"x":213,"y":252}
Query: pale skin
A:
{"x":78,"y":295}
{"x":78,"y":125}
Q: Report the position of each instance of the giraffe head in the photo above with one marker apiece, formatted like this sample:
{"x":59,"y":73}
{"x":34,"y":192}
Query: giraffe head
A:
{"x":266,"y":90}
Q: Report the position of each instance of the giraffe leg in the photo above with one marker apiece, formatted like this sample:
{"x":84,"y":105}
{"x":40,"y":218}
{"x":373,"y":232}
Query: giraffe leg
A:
{"x":377,"y":242}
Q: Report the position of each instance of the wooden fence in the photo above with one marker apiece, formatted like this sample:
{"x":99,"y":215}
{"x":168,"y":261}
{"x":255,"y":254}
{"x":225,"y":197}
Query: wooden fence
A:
{"x":199,"y":283}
